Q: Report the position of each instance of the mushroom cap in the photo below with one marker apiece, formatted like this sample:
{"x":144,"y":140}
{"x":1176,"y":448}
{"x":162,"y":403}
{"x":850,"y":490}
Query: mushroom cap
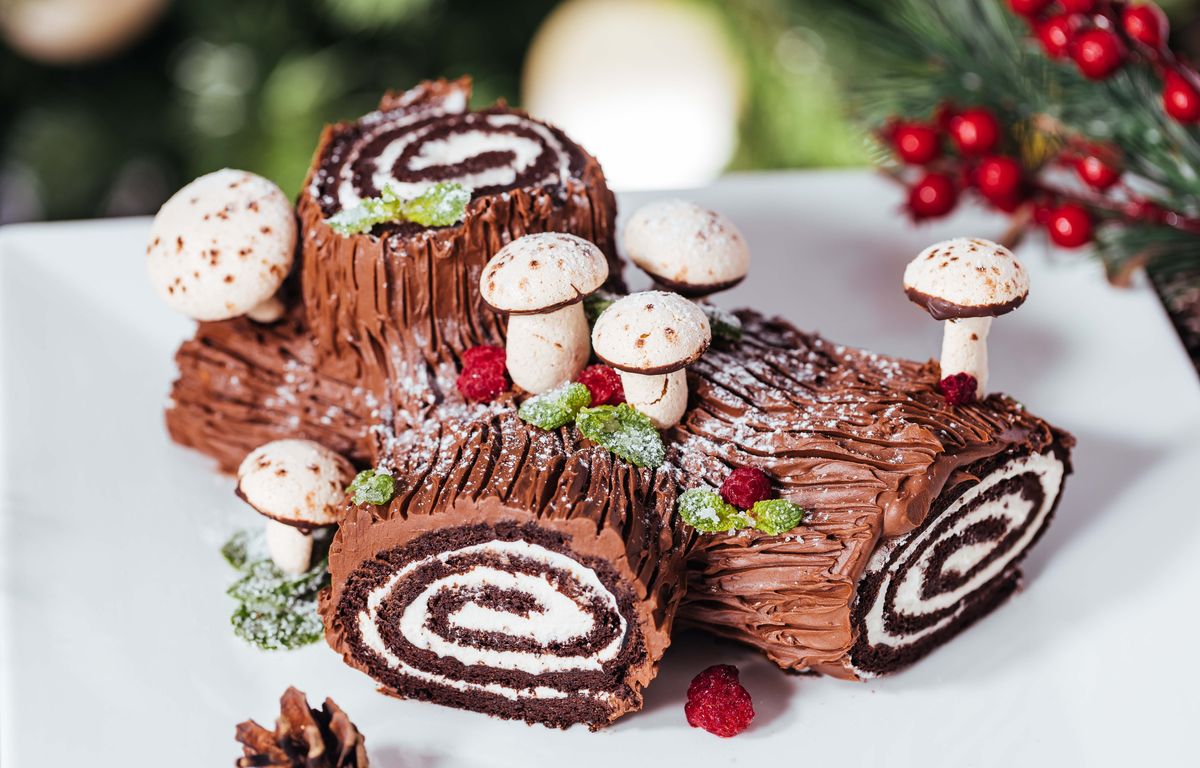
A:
{"x":651,"y":332}
{"x":542,"y":272}
{"x":966,"y":277}
{"x":221,"y":245}
{"x":685,"y":247}
{"x":297,"y":482}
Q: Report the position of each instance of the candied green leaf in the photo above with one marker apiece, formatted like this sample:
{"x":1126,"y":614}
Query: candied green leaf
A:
{"x":555,"y":408}
{"x":705,"y":510}
{"x":724,"y":324}
{"x":266,"y":586}
{"x":775,"y":516}
{"x":372,"y":486}
{"x":623,"y":430}
{"x":440,"y":205}
{"x":236,"y":551}
{"x":594,"y":304}
{"x":278,"y":628}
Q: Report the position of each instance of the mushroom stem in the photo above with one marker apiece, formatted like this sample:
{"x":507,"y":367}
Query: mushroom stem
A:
{"x":267,"y":311}
{"x":290,"y":547}
{"x":662,"y":397}
{"x":546,"y":349}
{"x":964,"y":349}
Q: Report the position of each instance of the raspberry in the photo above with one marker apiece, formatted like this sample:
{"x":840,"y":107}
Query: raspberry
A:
{"x":744,"y":486}
{"x":482,"y":383}
{"x":482,"y":355}
{"x":717,"y":702}
{"x":958,"y":388}
{"x":604,"y":383}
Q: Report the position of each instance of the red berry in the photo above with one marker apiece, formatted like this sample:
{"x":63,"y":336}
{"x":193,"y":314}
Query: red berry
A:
{"x":975,"y":131}
{"x":745,"y":486}
{"x":1096,"y":173}
{"x":934,"y":195}
{"x":1181,"y":98}
{"x":1098,"y":53}
{"x":958,"y":388}
{"x":603,"y":383}
{"x":483,"y":376}
{"x":1146,"y":24}
{"x":1070,"y":225}
{"x":1077,"y":6}
{"x":717,"y":702}
{"x":1007,"y":204}
{"x":1056,"y":34}
{"x":1147,"y":211}
{"x":943,"y":116}
{"x":915,"y":143}
{"x":1028,"y":7}
{"x":998,"y":178}
{"x":482,"y":355}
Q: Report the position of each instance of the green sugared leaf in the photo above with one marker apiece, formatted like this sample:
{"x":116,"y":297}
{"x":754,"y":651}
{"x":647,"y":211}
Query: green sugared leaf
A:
{"x":555,"y":408}
{"x":276,"y":629}
{"x":440,"y":205}
{"x":623,"y":430}
{"x":705,"y":510}
{"x":237,"y":550}
{"x":594,"y":304}
{"x":724,"y":324}
{"x":372,"y":486}
{"x":776,"y":516}
{"x":275,"y":610}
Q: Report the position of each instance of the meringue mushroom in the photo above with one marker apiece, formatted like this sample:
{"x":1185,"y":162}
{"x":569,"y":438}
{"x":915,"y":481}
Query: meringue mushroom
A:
{"x":650,"y":337}
{"x":966,"y":282}
{"x":686,"y":248}
{"x":222,"y":246}
{"x":540,"y":280}
{"x":298,"y":485}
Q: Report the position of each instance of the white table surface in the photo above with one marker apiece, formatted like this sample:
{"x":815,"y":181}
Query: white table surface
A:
{"x":114,"y":639}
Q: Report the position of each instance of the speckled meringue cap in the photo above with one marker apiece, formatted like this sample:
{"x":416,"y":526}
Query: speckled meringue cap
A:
{"x":687,"y":248}
{"x":651,"y":332}
{"x":221,"y":245}
{"x":966,"y":277}
{"x":298,"y":482}
{"x":542,"y":272}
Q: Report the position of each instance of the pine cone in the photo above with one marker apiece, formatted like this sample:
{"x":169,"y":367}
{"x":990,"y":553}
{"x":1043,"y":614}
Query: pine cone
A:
{"x":303,"y":738}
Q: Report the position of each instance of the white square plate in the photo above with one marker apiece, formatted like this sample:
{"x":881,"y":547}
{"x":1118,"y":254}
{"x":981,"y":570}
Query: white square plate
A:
{"x":115,"y":647}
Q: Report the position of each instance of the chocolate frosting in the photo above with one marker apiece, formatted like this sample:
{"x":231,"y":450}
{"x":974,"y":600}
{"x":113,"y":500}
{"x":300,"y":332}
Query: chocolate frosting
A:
{"x":940,"y":309}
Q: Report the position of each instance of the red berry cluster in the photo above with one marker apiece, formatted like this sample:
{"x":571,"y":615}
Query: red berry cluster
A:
{"x":745,"y":486}
{"x":958,"y":388}
{"x":718,"y":703}
{"x":483,"y":375}
{"x":603,"y":383}
{"x":1101,"y":37}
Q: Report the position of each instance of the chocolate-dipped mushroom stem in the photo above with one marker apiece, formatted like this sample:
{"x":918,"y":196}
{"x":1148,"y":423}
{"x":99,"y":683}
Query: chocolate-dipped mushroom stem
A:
{"x":650,"y":337}
{"x":966,"y":282}
{"x":686,"y":249}
{"x":540,"y":280}
{"x":298,"y":485}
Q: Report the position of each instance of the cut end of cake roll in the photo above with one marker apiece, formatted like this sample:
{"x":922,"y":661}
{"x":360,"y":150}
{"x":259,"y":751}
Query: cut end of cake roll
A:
{"x":921,"y":589}
{"x":546,"y":594}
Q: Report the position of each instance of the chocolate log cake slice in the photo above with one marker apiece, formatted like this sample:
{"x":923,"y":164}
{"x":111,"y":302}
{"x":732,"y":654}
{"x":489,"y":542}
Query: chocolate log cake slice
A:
{"x":919,"y":513}
{"x":517,"y":572}
{"x":383,"y":302}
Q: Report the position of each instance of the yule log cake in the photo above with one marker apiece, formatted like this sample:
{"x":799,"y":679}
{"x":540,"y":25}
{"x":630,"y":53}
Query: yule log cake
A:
{"x":526,"y":528}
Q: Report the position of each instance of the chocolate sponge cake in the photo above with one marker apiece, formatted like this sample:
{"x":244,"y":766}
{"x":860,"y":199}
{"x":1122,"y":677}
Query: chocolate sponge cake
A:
{"x":520,"y":565}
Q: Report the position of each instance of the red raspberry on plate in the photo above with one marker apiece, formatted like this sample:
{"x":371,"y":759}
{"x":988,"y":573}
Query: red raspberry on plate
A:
{"x":744,"y":486}
{"x":482,"y":383}
{"x":717,"y":702}
{"x":604,"y":383}
{"x":483,"y":355}
{"x":958,"y":388}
